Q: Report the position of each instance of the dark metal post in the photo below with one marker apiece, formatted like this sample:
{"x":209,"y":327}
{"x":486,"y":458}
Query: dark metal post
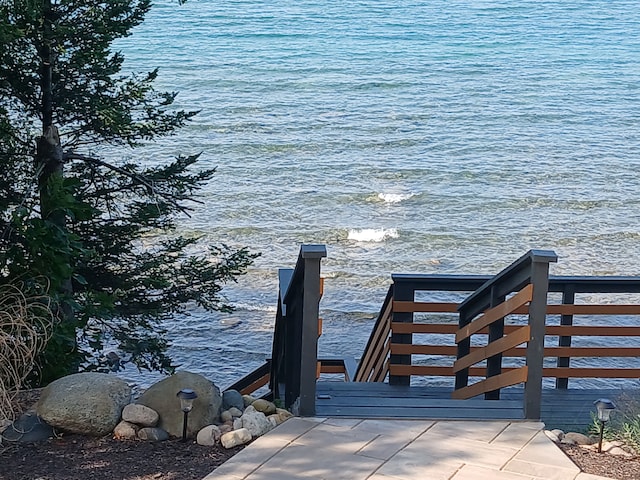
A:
{"x":311,"y":255}
{"x":568,"y":298}
{"x":537,"y":323}
{"x":496,"y":332}
{"x":464,"y":348}
{"x":184,"y":426}
{"x":401,"y":292}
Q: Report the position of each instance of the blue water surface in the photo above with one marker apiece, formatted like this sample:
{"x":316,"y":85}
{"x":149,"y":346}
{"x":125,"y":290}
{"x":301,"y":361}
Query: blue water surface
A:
{"x":408,"y":136}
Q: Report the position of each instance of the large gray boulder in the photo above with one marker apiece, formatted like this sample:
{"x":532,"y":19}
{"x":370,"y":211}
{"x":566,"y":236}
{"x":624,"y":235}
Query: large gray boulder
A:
{"x":85,"y":403}
{"x":162,"y":398}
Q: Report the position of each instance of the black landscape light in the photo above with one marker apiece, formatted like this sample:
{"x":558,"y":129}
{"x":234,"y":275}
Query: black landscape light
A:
{"x":604,"y":406}
{"x":186,"y":396}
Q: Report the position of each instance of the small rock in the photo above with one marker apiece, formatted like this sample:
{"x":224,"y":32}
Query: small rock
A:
{"x":125,"y":431}
{"x":256,"y":422}
{"x":286,"y":413}
{"x":209,"y":435}
{"x":153,"y":434}
{"x":232,"y":398}
{"x":28,"y":428}
{"x":226,"y":416}
{"x":264,"y":406}
{"x":273,"y":419}
{"x":248,"y":400}
{"x":559,"y":433}
{"x":553,"y":436}
{"x":225,"y":429}
{"x":235,"y":438}
{"x":237,"y":423}
{"x":140,"y":415}
{"x":235,"y":413}
{"x":611,"y":444}
{"x":577,"y":439}
{"x":617,"y":451}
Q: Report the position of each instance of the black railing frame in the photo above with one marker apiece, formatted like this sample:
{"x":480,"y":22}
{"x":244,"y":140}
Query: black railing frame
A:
{"x":295,"y":342}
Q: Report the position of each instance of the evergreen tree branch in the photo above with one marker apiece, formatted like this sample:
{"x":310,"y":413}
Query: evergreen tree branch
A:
{"x":137,"y":178}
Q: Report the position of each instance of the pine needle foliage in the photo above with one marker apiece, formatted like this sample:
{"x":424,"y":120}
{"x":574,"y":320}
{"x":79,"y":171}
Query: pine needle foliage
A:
{"x":100,"y":228}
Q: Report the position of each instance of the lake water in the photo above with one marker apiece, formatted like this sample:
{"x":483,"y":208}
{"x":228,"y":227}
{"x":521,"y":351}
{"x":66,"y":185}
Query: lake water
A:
{"x":407,"y":136}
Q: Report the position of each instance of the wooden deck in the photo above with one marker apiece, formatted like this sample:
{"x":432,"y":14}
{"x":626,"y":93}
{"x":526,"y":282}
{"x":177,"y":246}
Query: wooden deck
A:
{"x":565,"y":409}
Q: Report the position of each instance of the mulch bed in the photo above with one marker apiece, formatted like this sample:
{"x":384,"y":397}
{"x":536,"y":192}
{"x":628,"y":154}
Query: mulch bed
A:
{"x":76,"y":457}
{"x":79,"y":457}
{"x":611,"y":466}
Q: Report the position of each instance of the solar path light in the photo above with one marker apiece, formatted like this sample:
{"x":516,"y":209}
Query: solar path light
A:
{"x":604,"y":406}
{"x":186,"y":396}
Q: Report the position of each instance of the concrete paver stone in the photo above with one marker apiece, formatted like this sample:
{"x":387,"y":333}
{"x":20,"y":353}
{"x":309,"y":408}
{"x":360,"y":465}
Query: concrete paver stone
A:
{"x":386,"y":449}
{"x":473,"y":472}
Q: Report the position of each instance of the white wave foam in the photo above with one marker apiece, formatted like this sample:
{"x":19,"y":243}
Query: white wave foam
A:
{"x":372,"y":234}
{"x":255,"y":308}
{"x":394,"y":197}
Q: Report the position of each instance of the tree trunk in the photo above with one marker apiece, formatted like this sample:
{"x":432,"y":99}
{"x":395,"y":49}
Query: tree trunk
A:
{"x":50,"y":171}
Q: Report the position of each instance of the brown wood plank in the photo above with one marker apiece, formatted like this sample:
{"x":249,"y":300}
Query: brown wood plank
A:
{"x":551,"y":330}
{"x":332,"y":369}
{"x":567,"y":372}
{"x":496,"y":382}
{"x":523,"y":334}
{"x":550,"y":352}
{"x":592,"y":331}
{"x":381,"y":373}
{"x":424,"y":307}
{"x":401,"y":327}
{"x":593,"y":309}
{"x":590,"y":352}
{"x":439,"y":371}
{"x":261,"y":382}
{"x":371,"y":360}
{"x":491,"y":315}
{"x":404,"y":349}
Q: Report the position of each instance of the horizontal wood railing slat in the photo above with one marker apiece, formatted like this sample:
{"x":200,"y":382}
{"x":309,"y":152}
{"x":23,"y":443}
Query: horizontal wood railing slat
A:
{"x":520,"y":336}
{"x":401,"y":327}
{"x":434,"y":370}
{"x":550,"y":330}
{"x":569,"y":372}
{"x":491,"y":315}
{"x":451,"y":351}
{"x":549,"y":372}
{"x":506,"y":379}
{"x":424,"y":307}
{"x":592,"y":331}
{"x":593,"y":309}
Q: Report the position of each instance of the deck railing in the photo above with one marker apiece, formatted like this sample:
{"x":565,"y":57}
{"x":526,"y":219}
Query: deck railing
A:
{"x":397,"y":348}
{"x":524,"y":283}
{"x":294,"y":361}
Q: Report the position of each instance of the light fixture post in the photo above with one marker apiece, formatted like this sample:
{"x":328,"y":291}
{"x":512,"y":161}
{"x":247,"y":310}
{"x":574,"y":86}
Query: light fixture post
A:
{"x":186,"y":396}
{"x":604,"y":407}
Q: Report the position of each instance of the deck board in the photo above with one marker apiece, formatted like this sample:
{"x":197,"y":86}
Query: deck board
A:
{"x":565,"y":409}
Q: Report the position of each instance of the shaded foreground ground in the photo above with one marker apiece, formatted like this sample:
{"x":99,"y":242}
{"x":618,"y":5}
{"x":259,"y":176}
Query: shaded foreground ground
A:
{"x":76,"y":457}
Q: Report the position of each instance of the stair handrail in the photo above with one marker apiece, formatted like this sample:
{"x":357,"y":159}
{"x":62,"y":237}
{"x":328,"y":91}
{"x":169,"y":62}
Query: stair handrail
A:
{"x":530,"y":269}
{"x":294,"y":356}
